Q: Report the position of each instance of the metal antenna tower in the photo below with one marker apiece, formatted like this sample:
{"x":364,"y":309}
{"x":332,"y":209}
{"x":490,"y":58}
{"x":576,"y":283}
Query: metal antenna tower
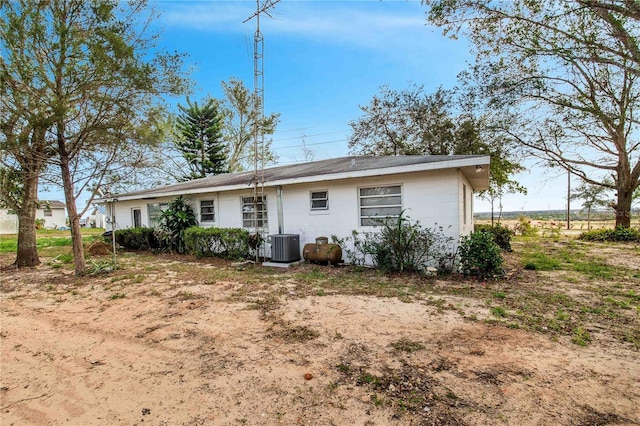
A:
{"x":259,"y":203}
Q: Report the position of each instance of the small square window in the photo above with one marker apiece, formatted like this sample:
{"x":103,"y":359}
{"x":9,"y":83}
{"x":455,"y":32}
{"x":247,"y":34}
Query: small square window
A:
{"x":207,"y":212}
{"x":48,"y":212}
{"x":320,"y":200}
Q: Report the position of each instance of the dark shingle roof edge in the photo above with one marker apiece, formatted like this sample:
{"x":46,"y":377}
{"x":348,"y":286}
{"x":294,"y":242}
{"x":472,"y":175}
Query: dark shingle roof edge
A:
{"x":52,"y":204}
{"x":336,"y":168}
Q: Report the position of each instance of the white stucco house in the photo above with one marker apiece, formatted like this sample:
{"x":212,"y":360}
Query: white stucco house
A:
{"x":324,"y":198}
{"x":54,"y":214}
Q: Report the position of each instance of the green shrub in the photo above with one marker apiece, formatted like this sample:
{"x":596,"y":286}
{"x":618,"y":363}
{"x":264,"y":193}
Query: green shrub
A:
{"x":401,"y":246}
{"x":525,"y":228}
{"x":613,"y":235}
{"x":227,"y":243}
{"x":501,"y":235}
{"x":138,"y":239}
{"x":480,"y":256}
{"x":174,"y":220}
{"x":354,"y":247}
{"x":552,"y":230}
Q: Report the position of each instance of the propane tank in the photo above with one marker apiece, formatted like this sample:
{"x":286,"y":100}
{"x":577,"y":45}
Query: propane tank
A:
{"x":322,"y":253}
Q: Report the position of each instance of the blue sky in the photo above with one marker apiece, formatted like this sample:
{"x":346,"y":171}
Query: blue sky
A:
{"x":322,"y":60}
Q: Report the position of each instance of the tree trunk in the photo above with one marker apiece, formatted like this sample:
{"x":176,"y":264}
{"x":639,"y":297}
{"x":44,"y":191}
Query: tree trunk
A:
{"x":491,"y":211}
{"x":589,"y":218}
{"x":623,"y":208}
{"x":72,"y":210}
{"x":27,"y":253}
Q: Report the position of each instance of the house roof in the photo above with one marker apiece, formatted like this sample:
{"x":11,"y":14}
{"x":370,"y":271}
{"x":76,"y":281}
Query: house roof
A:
{"x":332,"y":169}
{"x":52,"y":204}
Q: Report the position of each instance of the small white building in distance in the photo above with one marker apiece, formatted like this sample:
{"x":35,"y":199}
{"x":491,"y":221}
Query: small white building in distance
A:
{"x":54,"y":214}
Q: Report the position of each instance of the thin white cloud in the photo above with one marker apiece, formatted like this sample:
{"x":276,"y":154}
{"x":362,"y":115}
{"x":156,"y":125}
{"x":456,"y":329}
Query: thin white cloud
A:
{"x":368,"y":24}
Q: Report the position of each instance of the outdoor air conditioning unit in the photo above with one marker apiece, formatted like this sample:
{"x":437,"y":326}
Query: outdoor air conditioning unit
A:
{"x":285,"y":247}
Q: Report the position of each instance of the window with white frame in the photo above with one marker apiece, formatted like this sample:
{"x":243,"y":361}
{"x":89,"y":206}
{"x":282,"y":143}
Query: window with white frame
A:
{"x":48,"y":212}
{"x":464,"y":204}
{"x":379,"y":204}
{"x":155,"y":210}
{"x":207,"y":211}
{"x":319,"y":200}
{"x":254,"y":213}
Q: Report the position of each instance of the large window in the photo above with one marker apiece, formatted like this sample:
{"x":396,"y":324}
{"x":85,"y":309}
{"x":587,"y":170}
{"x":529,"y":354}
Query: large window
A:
{"x":254,"y":214}
{"x":155,"y":210}
{"x":379,"y":204}
{"x":464,"y":204}
{"x":319,"y":200}
{"x":207,"y":212}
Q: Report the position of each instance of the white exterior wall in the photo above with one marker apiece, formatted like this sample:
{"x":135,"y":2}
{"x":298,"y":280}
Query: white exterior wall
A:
{"x":466,"y":223}
{"x":433,"y":197}
{"x":57,"y":219}
{"x":9,"y":222}
{"x":430,"y":197}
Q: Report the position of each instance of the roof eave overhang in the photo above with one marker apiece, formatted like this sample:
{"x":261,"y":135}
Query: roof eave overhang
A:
{"x":465,"y":164}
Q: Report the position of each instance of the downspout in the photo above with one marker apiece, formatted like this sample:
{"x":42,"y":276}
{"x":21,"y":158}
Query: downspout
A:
{"x":280,"y":212}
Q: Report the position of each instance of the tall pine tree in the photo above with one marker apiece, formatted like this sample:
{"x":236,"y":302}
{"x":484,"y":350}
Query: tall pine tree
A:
{"x":200,"y":139}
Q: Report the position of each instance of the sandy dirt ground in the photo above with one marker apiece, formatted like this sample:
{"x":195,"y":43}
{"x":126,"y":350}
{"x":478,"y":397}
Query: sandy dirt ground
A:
{"x":75,"y":351}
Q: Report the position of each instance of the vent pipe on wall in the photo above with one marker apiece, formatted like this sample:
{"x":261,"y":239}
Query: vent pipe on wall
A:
{"x":280,"y":213}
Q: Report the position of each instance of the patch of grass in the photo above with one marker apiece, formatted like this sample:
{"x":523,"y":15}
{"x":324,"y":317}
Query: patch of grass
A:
{"x":498,"y":311}
{"x":292,"y":333}
{"x":64,"y":258}
{"x":562,"y":315}
{"x":368,"y":378}
{"x":406,"y":390}
{"x":540,"y":261}
{"x":620,"y":303}
{"x":115,"y":296}
{"x":343,"y":367}
{"x":499,"y":294}
{"x":594,"y":270}
{"x":406,"y":345}
{"x":581,"y":337}
{"x":313,"y":275}
{"x":266,"y":304}
{"x":633,"y":296}
{"x":187,"y":295}
{"x":377,"y":400}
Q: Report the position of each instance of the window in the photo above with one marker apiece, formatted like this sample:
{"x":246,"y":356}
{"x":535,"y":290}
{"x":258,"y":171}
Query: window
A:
{"x":320,"y":200}
{"x":207,"y":213}
{"x":379,"y":204}
{"x":155,"y":210}
{"x":250,"y":214}
{"x":137,"y":218}
{"x":48,"y":212}
{"x":464,"y":203}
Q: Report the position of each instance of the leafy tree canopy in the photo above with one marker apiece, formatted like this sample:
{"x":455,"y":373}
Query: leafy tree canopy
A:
{"x":239,"y":110}
{"x":565,"y":74}
{"x":81,"y":81}
{"x":413,"y":122}
{"x":200,"y":138}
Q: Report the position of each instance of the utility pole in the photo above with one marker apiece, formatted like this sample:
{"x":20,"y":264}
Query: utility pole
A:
{"x":258,"y":117}
{"x":568,"y":200}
